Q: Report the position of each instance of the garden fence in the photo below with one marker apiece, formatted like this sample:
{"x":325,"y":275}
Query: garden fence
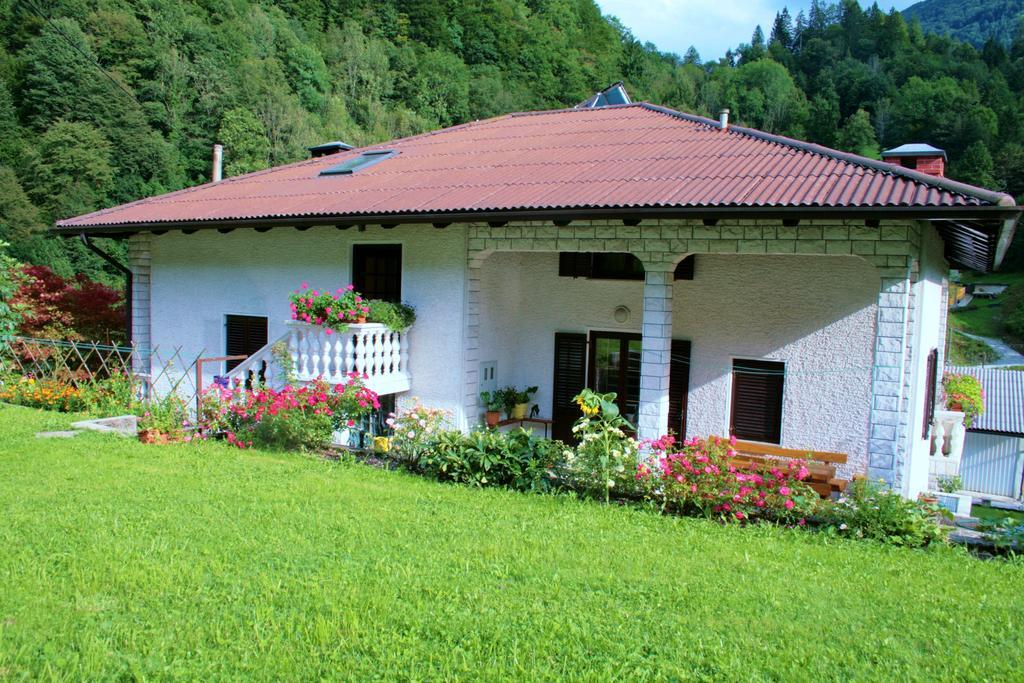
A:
{"x":159,"y":370}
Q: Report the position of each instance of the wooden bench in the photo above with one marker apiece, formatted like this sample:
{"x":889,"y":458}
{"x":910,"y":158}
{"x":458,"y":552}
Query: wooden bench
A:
{"x":821,"y":464}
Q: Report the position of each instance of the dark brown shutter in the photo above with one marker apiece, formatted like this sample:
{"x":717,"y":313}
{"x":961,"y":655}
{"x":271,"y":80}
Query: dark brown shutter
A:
{"x":574,"y":264}
{"x":679,"y":387}
{"x":931,"y":388}
{"x":570,"y":379}
{"x":377,"y":271}
{"x":684,"y":270}
{"x":244,"y":335}
{"x":757,"y":400}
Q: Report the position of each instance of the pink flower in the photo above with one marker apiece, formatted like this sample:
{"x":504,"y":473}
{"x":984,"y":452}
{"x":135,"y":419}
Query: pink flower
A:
{"x":784,"y":491}
{"x":304,"y":285}
{"x":329,"y":331}
{"x":790,"y":504}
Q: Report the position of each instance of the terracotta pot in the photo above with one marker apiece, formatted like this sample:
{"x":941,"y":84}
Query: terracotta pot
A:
{"x":360,"y":319}
{"x":519,"y":410}
{"x":928,"y":499}
{"x":492,"y":417}
{"x":958,"y":407}
{"x":153,"y":436}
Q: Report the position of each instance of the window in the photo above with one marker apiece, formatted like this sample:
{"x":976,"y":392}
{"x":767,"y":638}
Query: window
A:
{"x":612,"y":266}
{"x":244,"y":335}
{"x":757,"y":400}
{"x":377,"y":271}
{"x":600,"y":266}
{"x":364,"y":160}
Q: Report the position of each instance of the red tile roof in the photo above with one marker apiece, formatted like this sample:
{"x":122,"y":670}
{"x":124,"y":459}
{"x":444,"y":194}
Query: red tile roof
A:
{"x":632,"y":156}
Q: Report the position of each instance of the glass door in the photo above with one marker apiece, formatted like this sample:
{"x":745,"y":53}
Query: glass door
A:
{"x":615,"y":366}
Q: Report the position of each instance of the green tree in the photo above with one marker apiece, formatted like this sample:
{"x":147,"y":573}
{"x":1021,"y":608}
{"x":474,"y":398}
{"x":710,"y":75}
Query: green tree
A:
{"x":858,"y":135}
{"x":19,"y":218}
{"x":10,"y":279}
{"x":975,"y":166}
{"x":246,"y":147}
{"x":70,"y":171}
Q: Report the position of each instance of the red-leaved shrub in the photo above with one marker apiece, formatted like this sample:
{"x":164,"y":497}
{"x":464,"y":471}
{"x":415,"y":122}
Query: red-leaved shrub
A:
{"x":58,"y":308}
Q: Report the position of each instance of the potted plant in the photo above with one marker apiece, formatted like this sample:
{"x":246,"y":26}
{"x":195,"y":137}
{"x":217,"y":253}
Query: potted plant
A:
{"x":517,"y":402}
{"x":163,"y":421}
{"x":963,"y":393}
{"x":493,"y":402}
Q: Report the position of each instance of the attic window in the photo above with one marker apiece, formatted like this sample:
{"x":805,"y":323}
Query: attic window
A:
{"x":364,"y":160}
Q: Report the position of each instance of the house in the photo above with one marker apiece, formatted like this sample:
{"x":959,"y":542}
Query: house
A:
{"x":719,"y":279}
{"x":992,"y":464}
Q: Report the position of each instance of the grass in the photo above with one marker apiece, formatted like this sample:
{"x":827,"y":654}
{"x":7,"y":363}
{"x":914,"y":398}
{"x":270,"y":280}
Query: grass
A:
{"x":986,"y":317}
{"x":203,"y":562}
{"x":966,"y":351}
{"x":986,"y":512}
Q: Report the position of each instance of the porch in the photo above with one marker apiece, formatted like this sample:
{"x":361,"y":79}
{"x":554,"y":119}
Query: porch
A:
{"x":799,"y":317}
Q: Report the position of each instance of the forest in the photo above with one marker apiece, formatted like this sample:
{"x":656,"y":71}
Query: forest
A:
{"x":972,"y":21}
{"x":107,"y":101}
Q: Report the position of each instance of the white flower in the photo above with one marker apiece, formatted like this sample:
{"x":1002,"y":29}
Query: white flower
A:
{"x":411,"y":434}
{"x":611,"y":483}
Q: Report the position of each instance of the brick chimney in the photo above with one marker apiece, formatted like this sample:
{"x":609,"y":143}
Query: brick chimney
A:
{"x":918,"y":156}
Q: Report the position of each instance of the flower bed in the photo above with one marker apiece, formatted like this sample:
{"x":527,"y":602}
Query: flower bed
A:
{"x":290,"y":418}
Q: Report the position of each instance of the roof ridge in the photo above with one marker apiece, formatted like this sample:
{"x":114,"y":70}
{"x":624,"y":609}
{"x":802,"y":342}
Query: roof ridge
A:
{"x":947,"y":184}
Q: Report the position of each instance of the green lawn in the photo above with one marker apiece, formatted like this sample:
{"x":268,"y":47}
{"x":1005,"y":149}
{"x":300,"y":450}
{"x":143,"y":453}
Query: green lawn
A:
{"x":122,"y":561}
{"x":985,"y":317}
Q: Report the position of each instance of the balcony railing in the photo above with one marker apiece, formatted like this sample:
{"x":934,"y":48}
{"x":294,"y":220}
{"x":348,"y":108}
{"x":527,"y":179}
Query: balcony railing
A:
{"x":369,"y":349}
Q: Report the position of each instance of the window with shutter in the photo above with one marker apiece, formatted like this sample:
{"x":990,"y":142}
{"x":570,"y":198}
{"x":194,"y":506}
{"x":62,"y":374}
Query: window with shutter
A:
{"x":570,"y":379}
{"x":377,"y":271}
{"x":930,"y":390}
{"x":244,"y":335}
{"x":679,"y":387}
{"x":600,"y":265}
{"x":757,"y":387}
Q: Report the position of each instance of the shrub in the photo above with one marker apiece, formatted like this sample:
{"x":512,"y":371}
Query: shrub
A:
{"x":397,"y":317}
{"x":415,"y":430}
{"x":700,"y":477}
{"x":290,"y":418}
{"x":115,"y":395}
{"x":606,"y":458}
{"x":68,"y":309}
{"x":516,"y":459}
{"x":167,"y":415}
{"x":874,"y":511}
{"x":964,"y":392}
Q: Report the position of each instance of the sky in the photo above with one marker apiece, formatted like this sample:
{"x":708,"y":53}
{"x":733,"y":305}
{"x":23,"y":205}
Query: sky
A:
{"x":712,"y":26}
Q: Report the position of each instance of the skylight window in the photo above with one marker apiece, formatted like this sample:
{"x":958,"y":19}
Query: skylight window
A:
{"x":364,"y":160}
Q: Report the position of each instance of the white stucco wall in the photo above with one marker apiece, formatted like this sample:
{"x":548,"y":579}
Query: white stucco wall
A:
{"x":927,"y":334}
{"x":816,"y":313}
{"x":197,"y":279}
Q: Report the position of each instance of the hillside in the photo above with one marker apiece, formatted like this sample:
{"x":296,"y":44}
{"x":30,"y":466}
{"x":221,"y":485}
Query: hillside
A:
{"x":134,"y":93}
{"x":972,"y":21}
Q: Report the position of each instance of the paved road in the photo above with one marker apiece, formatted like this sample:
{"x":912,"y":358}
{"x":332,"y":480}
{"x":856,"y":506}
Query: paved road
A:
{"x":1007,"y":356}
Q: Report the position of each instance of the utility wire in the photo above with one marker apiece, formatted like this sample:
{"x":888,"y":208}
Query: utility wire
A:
{"x":89,"y":58}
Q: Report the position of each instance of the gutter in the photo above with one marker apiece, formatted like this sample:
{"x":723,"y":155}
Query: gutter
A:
{"x":1001,"y":212}
{"x":127,"y":281}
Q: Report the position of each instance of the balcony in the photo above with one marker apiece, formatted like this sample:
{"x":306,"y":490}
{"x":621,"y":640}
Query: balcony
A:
{"x":380,"y":355}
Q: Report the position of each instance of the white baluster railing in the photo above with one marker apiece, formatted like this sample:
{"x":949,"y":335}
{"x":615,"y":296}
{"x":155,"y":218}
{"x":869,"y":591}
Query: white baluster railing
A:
{"x":947,"y":445}
{"x":369,"y":349}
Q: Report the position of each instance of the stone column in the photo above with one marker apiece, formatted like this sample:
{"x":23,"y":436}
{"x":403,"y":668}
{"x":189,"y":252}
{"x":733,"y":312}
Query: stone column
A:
{"x":656,"y":358}
{"x":139,"y":260}
{"x":887,"y":381}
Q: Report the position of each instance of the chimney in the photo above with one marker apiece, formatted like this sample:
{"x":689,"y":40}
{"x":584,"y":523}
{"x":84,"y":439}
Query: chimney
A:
{"x":218,"y":163}
{"x":328,"y":148}
{"x":723,"y":119}
{"x":919,"y":157}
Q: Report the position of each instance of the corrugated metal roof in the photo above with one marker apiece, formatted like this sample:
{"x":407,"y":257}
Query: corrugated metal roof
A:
{"x":913,"y":149}
{"x":1004,"y":399}
{"x":631,"y":156}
